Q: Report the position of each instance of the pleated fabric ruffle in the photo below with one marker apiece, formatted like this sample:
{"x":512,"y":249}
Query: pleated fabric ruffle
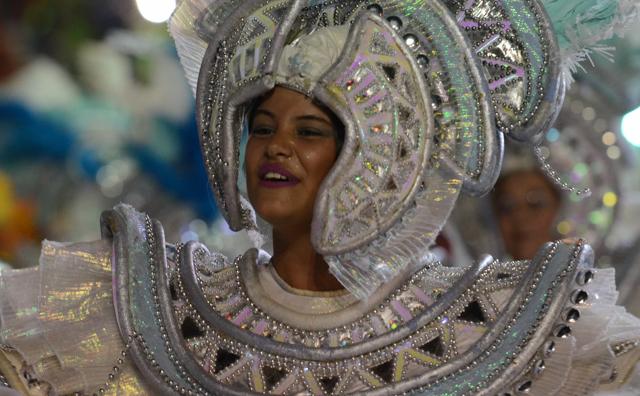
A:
{"x":600,"y":355}
{"x":60,"y":319}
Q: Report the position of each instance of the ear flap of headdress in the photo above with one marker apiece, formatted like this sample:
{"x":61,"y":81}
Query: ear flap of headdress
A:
{"x":378,"y":91}
{"x":515,"y":42}
{"x":419,"y":127}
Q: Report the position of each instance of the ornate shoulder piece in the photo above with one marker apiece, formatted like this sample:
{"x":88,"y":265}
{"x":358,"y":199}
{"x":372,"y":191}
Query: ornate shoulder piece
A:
{"x":142,"y":297}
{"x":196,"y":329}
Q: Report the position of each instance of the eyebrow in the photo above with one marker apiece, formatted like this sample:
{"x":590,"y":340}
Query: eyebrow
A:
{"x":308,"y":117}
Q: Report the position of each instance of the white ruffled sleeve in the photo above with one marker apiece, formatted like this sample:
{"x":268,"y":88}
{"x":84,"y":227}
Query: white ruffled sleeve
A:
{"x":58,"y":324}
{"x":600,"y":355}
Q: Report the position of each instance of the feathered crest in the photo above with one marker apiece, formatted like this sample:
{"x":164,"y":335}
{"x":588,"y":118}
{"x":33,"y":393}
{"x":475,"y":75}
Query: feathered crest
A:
{"x":582,"y":27}
{"x":183,"y":29}
{"x":192,"y":24}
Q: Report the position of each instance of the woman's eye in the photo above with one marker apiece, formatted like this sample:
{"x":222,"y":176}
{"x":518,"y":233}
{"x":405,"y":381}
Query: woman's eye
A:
{"x":261,"y":131}
{"x":505,"y":207}
{"x":312,"y":132}
{"x":542,"y":204}
{"x":537,"y":200}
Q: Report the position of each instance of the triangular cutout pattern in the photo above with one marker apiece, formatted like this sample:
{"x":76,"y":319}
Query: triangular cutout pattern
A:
{"x":390,"y":72}
{"x":190,"y":329}
{"x":224,"y":359}
{"x":369,"y":213}
{"x":473,"y":313}
{"x":384,"y":371}
{"x":435,"y":347}
{"x":329,"y":384}
{"x":391,"y":185}
{"x":272,"y":376}
{"x":277,"y":14}
{"x":402,"y":151}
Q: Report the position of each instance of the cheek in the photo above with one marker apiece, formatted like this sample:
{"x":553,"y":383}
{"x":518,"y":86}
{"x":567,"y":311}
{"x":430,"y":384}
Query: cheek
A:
{"x":549,"y":212}
{"x":504,"y":222}
{"x":251,"y":157}
{"x":319,"y":161}
{"x":251,"y":164}
{"x":547,"y":219}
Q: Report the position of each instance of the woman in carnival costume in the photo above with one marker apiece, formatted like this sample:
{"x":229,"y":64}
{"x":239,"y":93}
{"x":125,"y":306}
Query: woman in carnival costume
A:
{"x":365,"y":120}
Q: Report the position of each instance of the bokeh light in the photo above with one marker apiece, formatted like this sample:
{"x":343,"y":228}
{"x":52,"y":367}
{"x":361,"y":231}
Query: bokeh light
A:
{"x":600,"y":125}
{"x":564,"y":227}
{"x":631,"y":127}
{"x":598,"y":218}
{"x":589,"y":114}
{"x":613,"y":152}
{"x":553,"y":135}
{"x":609,"y":138}
{"x":610,"y":199}
{"x":156,"y":11}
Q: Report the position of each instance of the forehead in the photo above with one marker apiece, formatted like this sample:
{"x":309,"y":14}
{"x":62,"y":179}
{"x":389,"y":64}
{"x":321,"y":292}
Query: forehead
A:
{"x":522,"y":182}
{"x":284,"y":102}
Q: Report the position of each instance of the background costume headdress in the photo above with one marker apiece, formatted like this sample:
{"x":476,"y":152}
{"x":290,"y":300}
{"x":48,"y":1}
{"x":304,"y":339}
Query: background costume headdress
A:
{"x":425,"y":89}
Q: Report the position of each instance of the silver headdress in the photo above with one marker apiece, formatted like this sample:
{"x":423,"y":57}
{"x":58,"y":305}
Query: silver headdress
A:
{"x":425,"y":89}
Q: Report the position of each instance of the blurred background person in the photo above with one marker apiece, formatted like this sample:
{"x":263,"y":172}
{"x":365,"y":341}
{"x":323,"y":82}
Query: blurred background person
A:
{"x":526,"y":204}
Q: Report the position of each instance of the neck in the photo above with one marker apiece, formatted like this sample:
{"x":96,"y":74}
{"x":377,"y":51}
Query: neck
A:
{"x":298,"y":264}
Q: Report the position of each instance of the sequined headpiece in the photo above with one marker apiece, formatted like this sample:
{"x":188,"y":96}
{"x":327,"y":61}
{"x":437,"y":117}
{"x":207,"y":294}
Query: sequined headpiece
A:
{"x":425,"y":89}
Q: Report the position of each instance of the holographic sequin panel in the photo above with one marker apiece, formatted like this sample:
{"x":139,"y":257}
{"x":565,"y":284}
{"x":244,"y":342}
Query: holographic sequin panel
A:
{"x":392,"y":145}
{"x":510,"y":40}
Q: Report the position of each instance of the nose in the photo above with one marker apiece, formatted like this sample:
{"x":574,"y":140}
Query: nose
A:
{"x":280,"y":144}
{"x":522,"y":212}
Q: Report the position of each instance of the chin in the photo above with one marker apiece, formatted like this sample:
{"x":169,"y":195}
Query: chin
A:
{"x":275,"y":214}
{"x":527,"y":252}
{"x":284,"y":217}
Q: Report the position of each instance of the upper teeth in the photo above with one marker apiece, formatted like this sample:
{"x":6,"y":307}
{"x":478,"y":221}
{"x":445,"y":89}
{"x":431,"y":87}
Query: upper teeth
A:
{"x":275,"y":176}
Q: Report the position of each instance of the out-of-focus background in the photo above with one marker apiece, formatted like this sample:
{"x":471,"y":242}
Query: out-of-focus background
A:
{"x":94,"y":110}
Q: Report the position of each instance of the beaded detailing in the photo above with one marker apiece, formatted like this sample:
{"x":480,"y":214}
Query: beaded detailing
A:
{"x":234,"y":63}
{"x":553,"y":175}
{"x":428,"y":348}
{"x":376,"y":218}
{"x":517,"y":48}
{"x":451,"y":338}
{"x":226,"y":293}
{"x":454,"y":90}
{"x":238,"y":68}
{"x":3,"y":381}
{"x":438,"y":344}
{"x":115,"y":370}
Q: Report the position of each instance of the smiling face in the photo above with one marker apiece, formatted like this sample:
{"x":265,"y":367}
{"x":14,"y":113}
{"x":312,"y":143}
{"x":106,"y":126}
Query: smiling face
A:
{"x":292,"y":146}
{"x":526,"y":205}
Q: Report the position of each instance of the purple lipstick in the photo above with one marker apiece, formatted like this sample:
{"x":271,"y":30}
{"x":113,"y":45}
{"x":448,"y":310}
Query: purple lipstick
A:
{"x":276,"y":176}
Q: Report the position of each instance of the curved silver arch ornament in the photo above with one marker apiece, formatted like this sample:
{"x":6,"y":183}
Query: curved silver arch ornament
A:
{"x":515,"y":42}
